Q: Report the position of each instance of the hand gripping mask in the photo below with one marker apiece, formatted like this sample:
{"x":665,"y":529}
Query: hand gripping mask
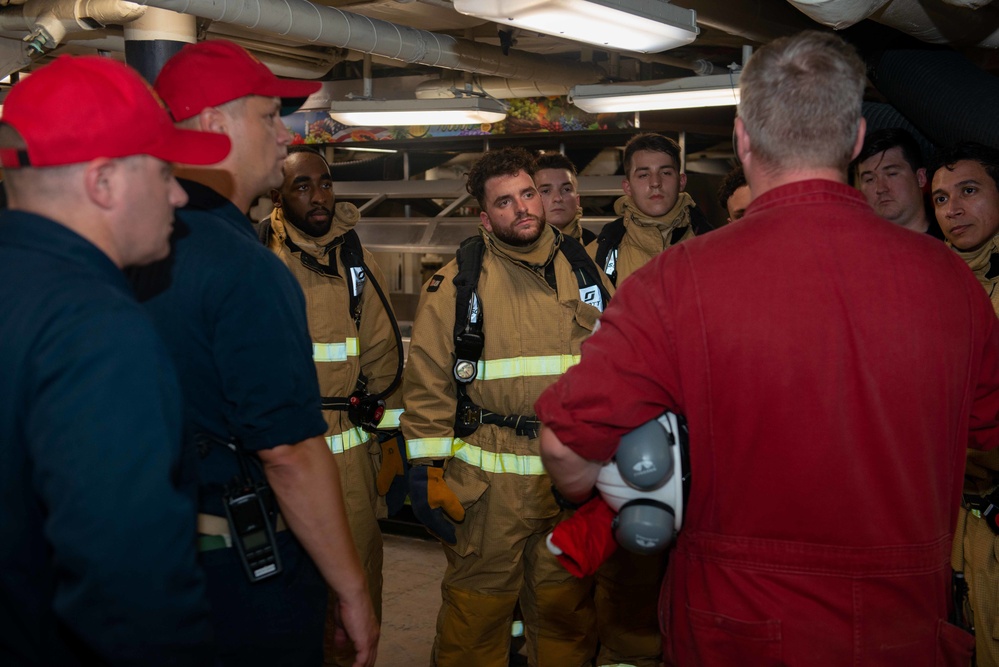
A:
{"x":647,"y":484}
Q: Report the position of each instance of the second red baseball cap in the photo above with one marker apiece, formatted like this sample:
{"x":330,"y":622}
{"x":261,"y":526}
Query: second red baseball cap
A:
{"x":214,"y":72}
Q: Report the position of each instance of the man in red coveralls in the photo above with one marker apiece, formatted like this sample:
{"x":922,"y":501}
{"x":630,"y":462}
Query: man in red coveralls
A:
{"x":832,"y":368}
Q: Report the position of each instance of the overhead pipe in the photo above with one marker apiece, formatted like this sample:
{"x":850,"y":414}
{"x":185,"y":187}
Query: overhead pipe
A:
{"x":47,"y":22}
{"x":329,"y":26}
{"x":967,"y":22}
{"x":759,"y":21}
{"x":502,"y":89}
{"x":903,"y":76}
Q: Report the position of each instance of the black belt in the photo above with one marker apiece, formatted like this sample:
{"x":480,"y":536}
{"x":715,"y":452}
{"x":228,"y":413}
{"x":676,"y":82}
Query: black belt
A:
{"x":529,"y":426}
{"x":336,"y":402}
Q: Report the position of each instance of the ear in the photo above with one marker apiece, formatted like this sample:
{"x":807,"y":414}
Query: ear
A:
{"x":921,"y":178}
{"x":683,"y":181}
{"x":276,"y":198}
{"x":626,"y":186}
{"x":742,"y":143}
{"x":100,"y":181}
{"x":859,"y":143}
{"x":486,"y":222}
{"x":212,"y":120}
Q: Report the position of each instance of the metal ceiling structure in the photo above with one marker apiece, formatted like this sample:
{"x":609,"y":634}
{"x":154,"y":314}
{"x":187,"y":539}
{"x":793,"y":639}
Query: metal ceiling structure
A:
{"x":923,"y":55}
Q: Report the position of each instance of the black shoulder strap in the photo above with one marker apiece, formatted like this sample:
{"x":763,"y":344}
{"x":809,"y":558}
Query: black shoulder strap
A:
{"x":608,"y":240}
{"x":352,"y":257}
{"x":586,"y":270}
{"x":468,"y":336}
{"x":469,"y":258}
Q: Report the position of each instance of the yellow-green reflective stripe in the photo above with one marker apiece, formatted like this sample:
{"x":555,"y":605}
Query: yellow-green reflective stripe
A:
{"x":515,"y":367}
{"x":429,"y":448}
{"x":390,"y":419}
{"x":330,"y":352}
{"x":493,"y":462}
{"x":341,"y":442}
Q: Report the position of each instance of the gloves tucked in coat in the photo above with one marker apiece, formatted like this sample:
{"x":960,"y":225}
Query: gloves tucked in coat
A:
{"x":391,"y":480}
{"x":432,"y":499}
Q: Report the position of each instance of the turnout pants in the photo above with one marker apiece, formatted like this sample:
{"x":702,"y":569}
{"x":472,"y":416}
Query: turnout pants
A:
{"x":500,"y":558}
{"x":358,"y":468}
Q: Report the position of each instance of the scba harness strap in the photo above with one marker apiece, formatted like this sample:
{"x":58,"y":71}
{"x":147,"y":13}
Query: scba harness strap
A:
{"x":363,"y":409}
{"x":610,"y":237}
{"x":469,"y":337}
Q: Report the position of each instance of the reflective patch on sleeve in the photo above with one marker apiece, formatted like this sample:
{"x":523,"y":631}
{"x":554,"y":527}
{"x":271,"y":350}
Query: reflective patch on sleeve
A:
{"x":435,"y":283}
{"x":391,"y":419}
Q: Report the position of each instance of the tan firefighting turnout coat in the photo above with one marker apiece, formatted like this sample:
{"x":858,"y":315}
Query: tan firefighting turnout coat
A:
{"x":341,"y":351}
{"x":975,"y":545}
{"x":646,"y":237}
{"x":532,"y":334}
{"x":575,"y":228}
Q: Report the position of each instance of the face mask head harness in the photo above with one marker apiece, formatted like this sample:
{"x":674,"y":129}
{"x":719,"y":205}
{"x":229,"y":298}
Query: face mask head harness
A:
{"x":647,"y":484}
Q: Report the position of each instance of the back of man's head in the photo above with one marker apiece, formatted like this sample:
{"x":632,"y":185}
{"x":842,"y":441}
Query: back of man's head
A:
{"x":887,"y":138}
{"x":801,"y":102}
{"x":502,"y":162}
{"x":733,"y":180}
{"x":984,"y":155}
{"x":649,"y":141}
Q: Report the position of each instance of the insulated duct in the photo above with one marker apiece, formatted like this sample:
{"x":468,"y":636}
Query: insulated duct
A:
{"x":328,"y":26}
{"x":966,"y":23}
{"x":47,"y":23}
{"x":502,"y":89}
{"x":924,"y":85}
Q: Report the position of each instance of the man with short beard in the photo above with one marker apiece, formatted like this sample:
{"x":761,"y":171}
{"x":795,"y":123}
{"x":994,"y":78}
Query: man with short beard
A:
{"x":354,"y":349}
{"x":528,"y":296}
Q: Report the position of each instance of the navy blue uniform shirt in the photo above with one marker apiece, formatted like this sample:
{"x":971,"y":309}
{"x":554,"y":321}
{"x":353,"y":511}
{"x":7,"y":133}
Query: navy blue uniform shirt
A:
{"x":233,"y":318}
{"x":97,"y":556}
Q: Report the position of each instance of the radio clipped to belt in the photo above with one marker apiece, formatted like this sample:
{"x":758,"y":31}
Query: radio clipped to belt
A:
{"x":248,"y":505}
{"x":251,"y":512}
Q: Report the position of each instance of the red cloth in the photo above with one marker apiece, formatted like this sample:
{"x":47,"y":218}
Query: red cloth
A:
{"x":585,"y":538}
{"x":832,"y":368}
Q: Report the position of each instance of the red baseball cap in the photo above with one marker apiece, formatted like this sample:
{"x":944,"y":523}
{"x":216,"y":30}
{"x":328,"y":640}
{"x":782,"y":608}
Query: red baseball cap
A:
{"x":214,"y":72}
{"x":79,"y":108}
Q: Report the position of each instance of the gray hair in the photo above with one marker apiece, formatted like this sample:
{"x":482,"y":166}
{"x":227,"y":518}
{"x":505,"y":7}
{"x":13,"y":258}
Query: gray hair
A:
{"x":801,"y":101}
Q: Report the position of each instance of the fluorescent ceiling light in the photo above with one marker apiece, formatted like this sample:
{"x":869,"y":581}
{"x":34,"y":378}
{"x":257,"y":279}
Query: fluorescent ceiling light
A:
{"x":364,"y":149}
{"x":648,"y":26}
{"x":692,"y":92}
{"x":385,"y":113}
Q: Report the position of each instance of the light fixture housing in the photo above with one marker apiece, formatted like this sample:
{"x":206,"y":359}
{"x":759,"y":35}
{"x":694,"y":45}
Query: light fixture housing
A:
{"x":714,"y":90}
{"x":448,"y":111}
{"x":646,"y":26}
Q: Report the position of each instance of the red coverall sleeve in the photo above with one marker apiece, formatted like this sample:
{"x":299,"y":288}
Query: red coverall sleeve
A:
{"x":628,"y":371}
